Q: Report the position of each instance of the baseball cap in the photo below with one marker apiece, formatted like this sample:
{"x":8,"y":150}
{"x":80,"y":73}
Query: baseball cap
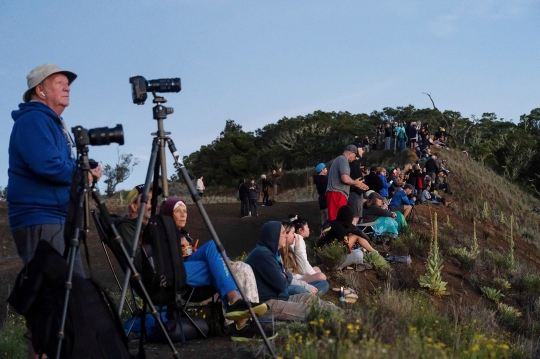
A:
{"x":137,"y":190}
{"x":320,"y":167}
{"x":351,"y":148}
{"x":40,"y":73}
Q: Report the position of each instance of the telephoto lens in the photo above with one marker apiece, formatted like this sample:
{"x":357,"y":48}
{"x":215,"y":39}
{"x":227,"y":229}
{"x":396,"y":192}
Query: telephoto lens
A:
{"x":164,"y":85}
{"x":105,"y":135}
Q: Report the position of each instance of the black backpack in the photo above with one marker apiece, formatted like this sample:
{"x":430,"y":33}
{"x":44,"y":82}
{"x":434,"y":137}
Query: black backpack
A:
{"x":163,"y":271}
{"x":92,"y":328}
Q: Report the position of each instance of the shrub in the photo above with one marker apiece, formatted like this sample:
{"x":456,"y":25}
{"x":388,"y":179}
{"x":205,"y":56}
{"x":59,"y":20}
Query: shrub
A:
{"x":12,"y":343}
{"x":380,"y":265}
{"x":432,"y":279}
{"x":491,"y":294}
{"x":501,"y":283}
{"x":331,"y":255}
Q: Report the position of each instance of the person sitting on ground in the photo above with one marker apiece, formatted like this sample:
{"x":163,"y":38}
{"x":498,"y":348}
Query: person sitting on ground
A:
{"x":343,"y":231}
{"x":387,"y":222}
{"x":206,"y":267}
{"x":401,"y":202}
{"x":372,"y":180}
{"x":176,"y":208}
{"x":273,"y":280}
{"x":428,"y":197}
{"x":381,"y":172}
{"x":294,"y":261}
{"x":301,"y":231}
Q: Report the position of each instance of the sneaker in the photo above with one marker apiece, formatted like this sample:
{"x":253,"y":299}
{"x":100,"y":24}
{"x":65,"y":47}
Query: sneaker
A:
{"x":239,"y":310}
{"x":250,"y":331}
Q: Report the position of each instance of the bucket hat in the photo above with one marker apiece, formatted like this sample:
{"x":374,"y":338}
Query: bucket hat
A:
{"x":40,"y":73}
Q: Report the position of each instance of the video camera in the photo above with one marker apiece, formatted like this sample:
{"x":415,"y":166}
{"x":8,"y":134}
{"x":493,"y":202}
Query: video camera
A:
{"x":140,"y":87}
{"x":98,"y":136}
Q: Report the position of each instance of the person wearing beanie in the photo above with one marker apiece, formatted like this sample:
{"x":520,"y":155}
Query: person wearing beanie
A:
{"x":320,"y":179}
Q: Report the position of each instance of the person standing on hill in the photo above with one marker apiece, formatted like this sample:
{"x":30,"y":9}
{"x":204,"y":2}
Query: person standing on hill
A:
{"x":321,"y":182}
{"x":200,"y":186}
{"x":339,"y":181}
{"x":265,"y":186}
{"x":253,"y":197}
{"x":356,"y":195}
{"x":41,"y":163}
{"x":387,"y":136}
{"x":243,"y":194}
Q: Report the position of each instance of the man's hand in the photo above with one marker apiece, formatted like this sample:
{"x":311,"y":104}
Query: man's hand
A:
{"x":95,"y":173}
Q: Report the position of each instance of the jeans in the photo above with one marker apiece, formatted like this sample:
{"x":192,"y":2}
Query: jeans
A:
{"x":321,"y":285}
{"x":207,"y":267}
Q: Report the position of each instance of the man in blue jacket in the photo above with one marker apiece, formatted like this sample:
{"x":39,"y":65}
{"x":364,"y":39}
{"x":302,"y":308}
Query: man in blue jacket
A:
{"x":41,"y":163}
{"x":401,"y":202}
{"x":272,"y":279}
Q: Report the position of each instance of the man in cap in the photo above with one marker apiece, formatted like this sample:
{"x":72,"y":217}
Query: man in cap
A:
{"x":41,"y":163}
{"x":339,"y":181}
{"x":321,"y":182}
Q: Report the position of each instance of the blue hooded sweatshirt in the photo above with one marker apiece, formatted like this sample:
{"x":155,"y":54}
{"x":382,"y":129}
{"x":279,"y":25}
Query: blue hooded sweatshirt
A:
{"x":272,"y":279}
{"x":40,"y":167}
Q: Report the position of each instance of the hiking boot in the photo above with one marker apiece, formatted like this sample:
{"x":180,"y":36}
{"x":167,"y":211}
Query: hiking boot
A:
{"x":250,"y":331}
{"x":239,"y":310}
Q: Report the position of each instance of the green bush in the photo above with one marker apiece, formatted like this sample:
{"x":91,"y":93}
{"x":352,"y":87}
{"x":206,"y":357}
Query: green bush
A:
{"x":12,"y":343}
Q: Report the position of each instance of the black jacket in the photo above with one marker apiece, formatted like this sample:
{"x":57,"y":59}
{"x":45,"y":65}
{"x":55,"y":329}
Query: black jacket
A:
{"x":321,"y":182}
{"x":356,"y":172}
{"x":373,"y":181}
{"x":243,"y":191}
{"x":432,"y":166}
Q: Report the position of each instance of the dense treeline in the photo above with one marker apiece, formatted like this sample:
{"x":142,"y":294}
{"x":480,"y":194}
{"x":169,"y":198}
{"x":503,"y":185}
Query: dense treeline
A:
{"x":510,"y":148}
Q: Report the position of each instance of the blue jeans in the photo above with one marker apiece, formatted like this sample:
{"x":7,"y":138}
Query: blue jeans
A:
{"x":321,"y":285}
{"x":206,"y":267}
{"x":401,"y":145}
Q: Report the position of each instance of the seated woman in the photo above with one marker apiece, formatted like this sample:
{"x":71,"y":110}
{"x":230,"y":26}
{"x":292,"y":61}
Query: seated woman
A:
{"x":381,"y":172}
{"x":301,"y":231}
{"x":354,"y":240}
{"x":375,"y":210}
{"x":293,"y":262}
{"x":205,"y":267}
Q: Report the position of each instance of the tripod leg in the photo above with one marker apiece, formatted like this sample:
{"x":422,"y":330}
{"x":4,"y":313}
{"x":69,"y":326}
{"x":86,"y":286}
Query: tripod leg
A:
{"x":138,"y":225}
{"x":182,"y":169}
{"x":72,"y":254}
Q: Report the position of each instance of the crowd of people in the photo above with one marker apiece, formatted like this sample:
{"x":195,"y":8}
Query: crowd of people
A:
{"x":400,"y":135}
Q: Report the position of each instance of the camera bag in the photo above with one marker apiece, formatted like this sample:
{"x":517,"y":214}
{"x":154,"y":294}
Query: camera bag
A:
{"x":92,"y":328}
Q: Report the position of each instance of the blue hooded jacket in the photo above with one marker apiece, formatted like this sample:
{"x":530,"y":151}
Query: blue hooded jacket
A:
{"x":272,"y":279}
{"x":40,"y":167}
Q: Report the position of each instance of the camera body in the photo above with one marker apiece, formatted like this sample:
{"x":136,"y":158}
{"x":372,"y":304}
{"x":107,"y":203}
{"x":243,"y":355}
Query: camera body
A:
{"x":98,"y":136}
{"x":140,"y":87}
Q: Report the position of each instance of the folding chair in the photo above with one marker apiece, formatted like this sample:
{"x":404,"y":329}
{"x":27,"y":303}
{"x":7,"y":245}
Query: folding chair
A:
{"x":185,"y":298}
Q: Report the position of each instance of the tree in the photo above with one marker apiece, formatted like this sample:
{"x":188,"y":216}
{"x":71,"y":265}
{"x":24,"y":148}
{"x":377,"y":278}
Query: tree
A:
{"x":120,"y":172}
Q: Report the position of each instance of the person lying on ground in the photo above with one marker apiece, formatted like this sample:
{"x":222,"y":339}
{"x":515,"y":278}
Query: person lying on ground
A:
{"x":343,"y":231}
{"x":387,"y":222}
{"x":273,"y":280}
{"x":291,"y":259}
{"x":401,"y":202}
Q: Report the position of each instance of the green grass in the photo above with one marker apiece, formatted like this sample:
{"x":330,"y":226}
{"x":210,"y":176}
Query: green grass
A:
{"x":12,"y":343}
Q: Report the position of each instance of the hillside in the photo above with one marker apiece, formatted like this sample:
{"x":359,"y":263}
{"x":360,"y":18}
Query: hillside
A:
{"x":394,"y":314}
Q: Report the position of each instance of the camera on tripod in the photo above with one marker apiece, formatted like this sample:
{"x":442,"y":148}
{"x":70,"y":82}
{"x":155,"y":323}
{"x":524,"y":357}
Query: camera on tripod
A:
{"x":140,"y":87}
{"x":98,"y":136}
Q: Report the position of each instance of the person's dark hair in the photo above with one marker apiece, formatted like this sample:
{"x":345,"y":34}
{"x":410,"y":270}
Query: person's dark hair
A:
{"x":373,"y":168}
{"x":299,"y":222}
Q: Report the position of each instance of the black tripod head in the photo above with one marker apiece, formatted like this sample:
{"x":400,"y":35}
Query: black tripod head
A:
{"x":160,"y":112}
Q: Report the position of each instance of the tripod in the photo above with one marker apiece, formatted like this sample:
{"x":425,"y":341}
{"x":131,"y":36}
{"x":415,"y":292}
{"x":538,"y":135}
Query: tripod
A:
{"x":79,"y":209}
{"x":157,"y":165}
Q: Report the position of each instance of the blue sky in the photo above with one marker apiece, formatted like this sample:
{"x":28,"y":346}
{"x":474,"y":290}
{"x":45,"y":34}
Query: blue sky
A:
{"x":257,"y":61}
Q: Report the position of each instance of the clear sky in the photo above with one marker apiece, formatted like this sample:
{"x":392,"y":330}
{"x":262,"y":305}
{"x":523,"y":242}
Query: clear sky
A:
{"x":257,"y":61}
